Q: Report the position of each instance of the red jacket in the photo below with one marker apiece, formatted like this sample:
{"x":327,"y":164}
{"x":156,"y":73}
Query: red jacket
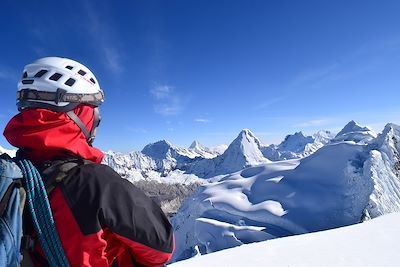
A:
{"x":101,"y":219}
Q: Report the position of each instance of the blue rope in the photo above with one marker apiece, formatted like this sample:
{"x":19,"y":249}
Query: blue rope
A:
{"x":48,"y":220}
{"x":41,"y":215}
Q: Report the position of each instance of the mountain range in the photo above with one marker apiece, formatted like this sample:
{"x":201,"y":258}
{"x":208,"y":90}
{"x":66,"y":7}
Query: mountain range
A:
{"x":161,"y":159}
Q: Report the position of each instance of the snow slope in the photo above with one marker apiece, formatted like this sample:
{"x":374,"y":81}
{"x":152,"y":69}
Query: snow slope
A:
{"x":275,"y":200}
{"x":371,"y":244}
{"x":383,"y":166}
{"x":343,"y":183}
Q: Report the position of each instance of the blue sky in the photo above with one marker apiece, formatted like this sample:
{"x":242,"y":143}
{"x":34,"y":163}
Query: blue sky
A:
{"x":204,"y":70}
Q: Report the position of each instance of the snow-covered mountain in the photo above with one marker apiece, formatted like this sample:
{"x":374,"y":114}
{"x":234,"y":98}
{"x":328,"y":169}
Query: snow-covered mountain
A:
{"x":164,"y":159}
{"x":161,"y":159}
{"x":354,"y":132}
{"x":371,"y":244}
{"x":243,"y":152}
{"x":297,"y":146}
{"x":134,"y":164}
{"x":295,"y":196}
{"x":203,"y":151}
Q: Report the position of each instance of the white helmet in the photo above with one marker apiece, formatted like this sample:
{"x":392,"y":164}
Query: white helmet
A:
{"x":58,"y":84}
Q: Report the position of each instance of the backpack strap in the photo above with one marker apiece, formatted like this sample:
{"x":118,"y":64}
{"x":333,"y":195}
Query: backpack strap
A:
{"x":55,"y":172}
{"x":7,"y":195}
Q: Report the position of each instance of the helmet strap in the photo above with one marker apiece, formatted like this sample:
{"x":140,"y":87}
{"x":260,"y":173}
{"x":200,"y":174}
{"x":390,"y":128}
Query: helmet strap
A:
{"x":96,"y":119}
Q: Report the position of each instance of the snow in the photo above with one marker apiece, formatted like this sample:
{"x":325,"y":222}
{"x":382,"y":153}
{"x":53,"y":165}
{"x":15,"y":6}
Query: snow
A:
{"x":370,"y":244}
{"x":162,"y":160}
{"x":342,"y":183}
{"x":354,"y":132}
{"x":10,"y":152}
{"x":297,"y":146}
{"x":243,"y":152}
{"x":383,"y":165}
{"x":203,"y":151}
{"x":286,"y":198}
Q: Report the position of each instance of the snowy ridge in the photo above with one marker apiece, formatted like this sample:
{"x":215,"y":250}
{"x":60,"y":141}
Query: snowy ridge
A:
{"x":292,"y":197}
{"x":371,"y":244}
{"x":383,"y":165}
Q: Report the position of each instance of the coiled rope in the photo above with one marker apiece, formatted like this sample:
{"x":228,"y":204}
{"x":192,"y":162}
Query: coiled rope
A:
{"x":42,"y":217}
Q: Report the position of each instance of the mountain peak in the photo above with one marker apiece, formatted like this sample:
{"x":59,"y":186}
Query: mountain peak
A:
{"x":352,"y":126}
{"x":248,"y":146}
{"x":158,"y":150}
{"x":247,"y":132}
{"x":295,"y":142}
{"x":354,"y":132}
{"x":195,"y":144}
{"x":247,"y":136}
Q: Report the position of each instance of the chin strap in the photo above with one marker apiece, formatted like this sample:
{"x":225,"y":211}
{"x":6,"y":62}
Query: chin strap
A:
{"x":96,"y":120}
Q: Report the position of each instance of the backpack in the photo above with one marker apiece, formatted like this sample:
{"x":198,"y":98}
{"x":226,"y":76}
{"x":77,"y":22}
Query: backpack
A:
{"x":10,"y":213}
{"x":16,"y":177}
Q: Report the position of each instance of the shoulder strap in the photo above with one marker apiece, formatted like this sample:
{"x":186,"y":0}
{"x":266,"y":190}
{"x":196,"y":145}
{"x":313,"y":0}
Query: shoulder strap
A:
{"x":7,"y":195}
{"x":55,"y":172}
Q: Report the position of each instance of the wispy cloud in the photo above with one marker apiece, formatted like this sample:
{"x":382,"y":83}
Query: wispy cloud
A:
{"x":202,"y":120}
{"x":361,"y":60}
{"x":269,"y":102}
{"x":113,"y":58}
{"x":167,"y":101}
{"x":162,"y":92}
{"x":313,"y":76}
{"x":103,"y":38}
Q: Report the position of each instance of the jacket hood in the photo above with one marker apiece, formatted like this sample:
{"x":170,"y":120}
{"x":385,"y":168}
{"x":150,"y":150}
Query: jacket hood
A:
{"x":43,"y":135}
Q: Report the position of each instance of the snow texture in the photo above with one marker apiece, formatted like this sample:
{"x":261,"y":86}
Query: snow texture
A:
{"x":371,"y":244}
{"x":342,"y":183}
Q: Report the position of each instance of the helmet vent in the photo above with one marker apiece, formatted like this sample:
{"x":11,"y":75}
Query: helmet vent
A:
{"x":27,"y":81}
{"x":70,"y":82}
{"x":40,"y":73}
{"x":81,"y":72}
{"x":69,"y":67}
{"x":92,"y":80}
{"x":55,"y":77}
{"x":25,"y":75}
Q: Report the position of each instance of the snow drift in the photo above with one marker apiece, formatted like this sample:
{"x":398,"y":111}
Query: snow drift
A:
{"x":371,"y":244}
{"x":343,"y":183}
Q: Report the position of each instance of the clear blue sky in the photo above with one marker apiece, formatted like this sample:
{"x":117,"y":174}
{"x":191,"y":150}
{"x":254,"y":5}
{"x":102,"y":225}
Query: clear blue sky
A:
{"x":204,"y":70}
